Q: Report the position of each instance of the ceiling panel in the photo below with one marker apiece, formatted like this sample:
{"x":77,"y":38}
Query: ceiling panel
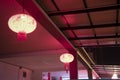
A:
{"x":118,"y":40}
{"x":60,"y":21}
{"x":76,"y":42}
{"x":69,"y":4}
{"x":90,"y":42}
{"x":69,"y":33}
{"x":105,"y":31}
{"x":106,"y":41}
{"x":118,"y":29}
{"x":104,"y":17}
{"x":77,"y":19}
{"x":84,"y":33}
{"x":100,"y":3}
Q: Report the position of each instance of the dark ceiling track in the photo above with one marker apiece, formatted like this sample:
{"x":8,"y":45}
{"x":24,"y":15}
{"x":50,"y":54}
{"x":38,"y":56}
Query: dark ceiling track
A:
{"x":97,"y":37}
{"x":117,"y":21}
{"x":100,"y":45}
{"x":91,"y":27}
{"x":112,"y":7}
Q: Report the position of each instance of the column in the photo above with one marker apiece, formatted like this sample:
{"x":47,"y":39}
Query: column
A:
{"x":90,"y":74}
{"x":74,"y":68}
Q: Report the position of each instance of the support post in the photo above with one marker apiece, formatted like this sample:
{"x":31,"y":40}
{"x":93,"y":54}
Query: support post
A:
{"x":74,"y":69}
{"x":90,"y":74}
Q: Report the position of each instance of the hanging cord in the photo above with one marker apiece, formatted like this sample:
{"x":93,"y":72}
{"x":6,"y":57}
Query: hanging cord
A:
{"x":23,"y":3}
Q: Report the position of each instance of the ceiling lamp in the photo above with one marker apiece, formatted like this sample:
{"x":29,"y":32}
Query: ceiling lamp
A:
{"x":22,"y":24}
{"x":115,"y":76}
{"x":66,"y":58}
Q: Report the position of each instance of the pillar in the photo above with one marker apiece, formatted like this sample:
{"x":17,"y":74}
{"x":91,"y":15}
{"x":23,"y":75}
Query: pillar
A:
{"x":90,"y":74}
{"x":74,"y":68}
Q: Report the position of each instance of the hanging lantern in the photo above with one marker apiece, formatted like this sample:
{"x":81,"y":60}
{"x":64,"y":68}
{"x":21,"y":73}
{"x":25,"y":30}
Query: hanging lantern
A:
{"x":66,"y":58}
{"x":22,"y":24}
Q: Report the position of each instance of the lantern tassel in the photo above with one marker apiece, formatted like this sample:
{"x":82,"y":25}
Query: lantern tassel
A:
{"x":67,"y":67}
{"x":21,"y":36}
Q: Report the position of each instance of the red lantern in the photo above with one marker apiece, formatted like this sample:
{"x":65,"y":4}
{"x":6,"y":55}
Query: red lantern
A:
{"x":66,"y":58}
{"x":22,"y":24}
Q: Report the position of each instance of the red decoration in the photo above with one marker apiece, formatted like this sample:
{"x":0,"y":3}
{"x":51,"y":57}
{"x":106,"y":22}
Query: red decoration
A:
{"x":49,"y":76}
{"x":66,"y":58}
{"x":60,"y":78}
{"x":22,"y":24}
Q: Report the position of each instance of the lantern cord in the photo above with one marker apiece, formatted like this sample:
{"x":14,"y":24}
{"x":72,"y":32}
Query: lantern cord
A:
{"x":23,"y":6}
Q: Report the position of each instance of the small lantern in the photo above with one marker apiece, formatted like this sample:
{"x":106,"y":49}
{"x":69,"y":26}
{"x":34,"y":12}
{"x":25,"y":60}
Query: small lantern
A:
{"x":66,"y":58}
{"x":22,"y":24}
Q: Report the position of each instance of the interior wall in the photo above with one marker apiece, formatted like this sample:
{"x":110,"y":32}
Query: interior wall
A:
{"x":8,"y":72}
{"x":37,"y":75}
{"x":11,"y":72}
{"x":25,"y":74}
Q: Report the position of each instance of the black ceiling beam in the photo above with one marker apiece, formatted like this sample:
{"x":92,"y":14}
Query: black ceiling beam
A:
{"x":94,"y":37}
{"x":91,"y":27}
{"x":117,"y":21}
{"x":111,"y":7}
{"x":108,"y":69}
{"x":95,"y":46}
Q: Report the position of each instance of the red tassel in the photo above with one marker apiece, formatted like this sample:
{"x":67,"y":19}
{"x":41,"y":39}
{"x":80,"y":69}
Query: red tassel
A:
{"x":67,"y":67}
{"x":21,"y":36}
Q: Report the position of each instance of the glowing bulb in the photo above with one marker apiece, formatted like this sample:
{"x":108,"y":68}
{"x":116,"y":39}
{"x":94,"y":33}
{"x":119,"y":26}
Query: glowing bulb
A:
{"x":115,"y":76}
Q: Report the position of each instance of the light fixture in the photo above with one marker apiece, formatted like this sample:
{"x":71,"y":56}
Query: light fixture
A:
{"x":22,"y":24}
{"x":66,"y":58}
{"x":115,"y":76}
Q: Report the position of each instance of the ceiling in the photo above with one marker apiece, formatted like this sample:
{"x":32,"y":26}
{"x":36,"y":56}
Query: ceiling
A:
{"x":89,"y":24}
{"x":40,"y":50}
{"x":31,"y":53}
